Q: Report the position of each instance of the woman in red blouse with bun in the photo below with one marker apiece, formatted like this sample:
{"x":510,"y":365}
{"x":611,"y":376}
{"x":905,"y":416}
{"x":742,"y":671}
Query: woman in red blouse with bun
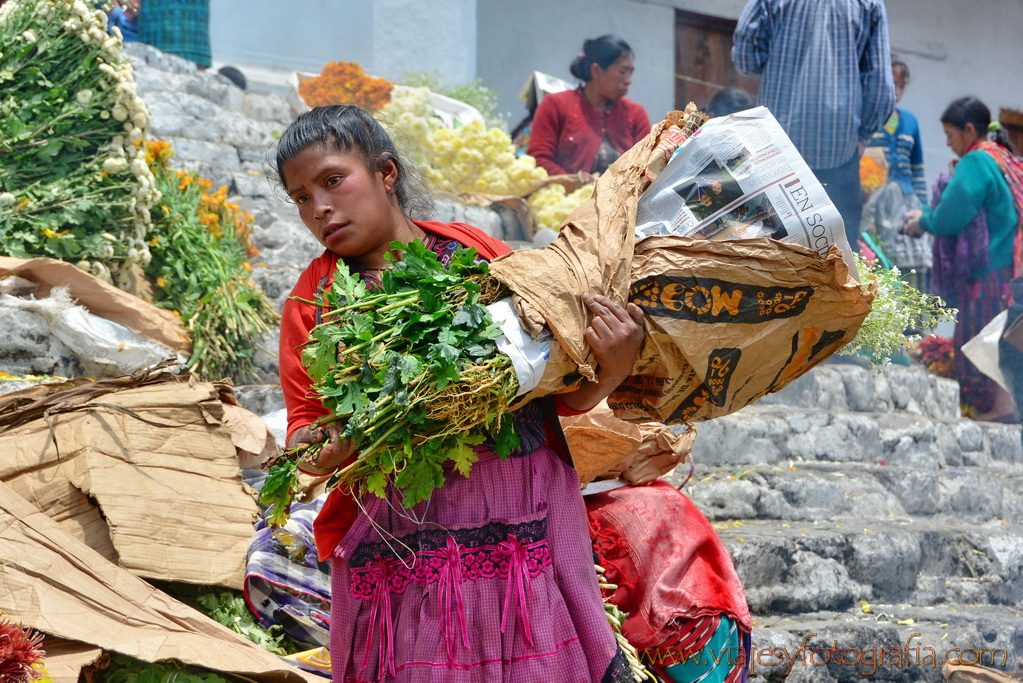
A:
{"x":586,"y":129}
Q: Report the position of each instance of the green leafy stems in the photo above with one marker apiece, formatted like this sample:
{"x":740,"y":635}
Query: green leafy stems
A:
{"x":411,"y":372}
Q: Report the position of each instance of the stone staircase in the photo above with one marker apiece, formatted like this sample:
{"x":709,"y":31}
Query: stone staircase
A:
{"x":862,"y":513}
{"x":865,"y":516}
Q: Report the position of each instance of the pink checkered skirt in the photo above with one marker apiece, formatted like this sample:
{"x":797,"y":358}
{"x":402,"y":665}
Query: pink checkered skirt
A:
{"x":491,"y":579}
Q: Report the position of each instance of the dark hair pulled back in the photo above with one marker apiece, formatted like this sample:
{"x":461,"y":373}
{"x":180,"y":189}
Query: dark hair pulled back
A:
{"x":603,"y":51}
{"x":352,"y":130}
{"x":971,"y":110}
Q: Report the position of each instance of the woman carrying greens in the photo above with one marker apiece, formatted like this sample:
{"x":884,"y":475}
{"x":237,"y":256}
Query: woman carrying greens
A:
{"x":491,"y":578}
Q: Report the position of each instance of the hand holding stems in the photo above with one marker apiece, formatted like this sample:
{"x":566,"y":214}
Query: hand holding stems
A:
{"x":331,"y":456}
{"x":911,"y":226}
{"x":616,"y":336}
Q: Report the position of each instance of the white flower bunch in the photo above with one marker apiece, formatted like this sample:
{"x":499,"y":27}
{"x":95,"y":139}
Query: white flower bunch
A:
{"x":552,"y":204}
{"x":897,"y":307}
{"x":78,"y":160}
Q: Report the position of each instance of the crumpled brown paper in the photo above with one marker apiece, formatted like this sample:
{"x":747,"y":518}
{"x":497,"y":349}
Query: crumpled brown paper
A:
{"x":143,"y":469}
{"x":52,"y":582}
{"x":593,"y":253}
{"x":605,"y":447}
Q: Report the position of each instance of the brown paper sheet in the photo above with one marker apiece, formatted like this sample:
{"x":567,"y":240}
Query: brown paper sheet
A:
{"x":147,"y":476}
{"x":606,"y":447}
{"x":65,"y":659}
{"x":975,"y":673}
{"x":50,"y":581}
{"x":101,"y":298}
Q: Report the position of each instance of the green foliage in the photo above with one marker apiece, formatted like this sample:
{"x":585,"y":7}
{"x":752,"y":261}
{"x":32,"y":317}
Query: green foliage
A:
{"x":73,"y":185}
{"x":897,"y":307}
{"x":280,"y":488}
{"x":227,"y":607}
{"x":473,"y":93}
{"x":413,"y":373}
{"x":125,"y":669}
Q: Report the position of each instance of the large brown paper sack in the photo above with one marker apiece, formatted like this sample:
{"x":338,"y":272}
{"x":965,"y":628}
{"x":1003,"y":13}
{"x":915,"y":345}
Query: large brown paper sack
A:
{"x":101,"y":298}
{"x":605,"y":447}
{"x":593,"y":253}
{"x":756,"y":314}
{"x":52,"y":582}
{"x":146,"y":475}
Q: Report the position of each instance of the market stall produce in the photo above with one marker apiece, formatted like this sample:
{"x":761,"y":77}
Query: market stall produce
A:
{"x":80,"y":184}
{"x":74,"y":184}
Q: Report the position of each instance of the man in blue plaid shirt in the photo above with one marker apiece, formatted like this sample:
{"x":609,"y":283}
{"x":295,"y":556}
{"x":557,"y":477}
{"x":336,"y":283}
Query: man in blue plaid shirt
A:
{"x":826,"y":75}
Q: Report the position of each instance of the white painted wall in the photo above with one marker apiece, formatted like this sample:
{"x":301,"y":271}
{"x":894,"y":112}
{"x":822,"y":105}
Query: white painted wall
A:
{"x":386,"y":37}
{"x":426,"y":35}
{"x":302,"y":35}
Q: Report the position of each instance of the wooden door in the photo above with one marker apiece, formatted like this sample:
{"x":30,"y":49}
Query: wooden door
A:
{"x":703,"y":59}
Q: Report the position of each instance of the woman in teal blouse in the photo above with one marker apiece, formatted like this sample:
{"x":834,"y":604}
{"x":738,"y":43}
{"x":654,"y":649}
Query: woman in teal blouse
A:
{"x":979,"y":205}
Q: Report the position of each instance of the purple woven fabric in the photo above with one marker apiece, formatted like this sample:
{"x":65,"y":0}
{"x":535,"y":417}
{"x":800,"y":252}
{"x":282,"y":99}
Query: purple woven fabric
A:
{"x":494,"y":583}
{"x":957,"y":258}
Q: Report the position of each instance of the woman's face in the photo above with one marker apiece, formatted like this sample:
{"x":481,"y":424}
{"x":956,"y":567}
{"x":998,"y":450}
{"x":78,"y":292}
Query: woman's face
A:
{"x":348,"y":208}
{"x":614,"y":81}
{"x":959,"y":140}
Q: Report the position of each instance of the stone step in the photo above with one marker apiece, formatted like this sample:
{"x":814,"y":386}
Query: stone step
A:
{"x":843,"y":385}
{"x":765,"y":434}
{"x":810,"y":492}
{"x":896,"y":643}
{"x":792,"y":568}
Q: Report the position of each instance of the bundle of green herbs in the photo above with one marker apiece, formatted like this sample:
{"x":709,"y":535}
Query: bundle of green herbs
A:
{"x":411,"y":372}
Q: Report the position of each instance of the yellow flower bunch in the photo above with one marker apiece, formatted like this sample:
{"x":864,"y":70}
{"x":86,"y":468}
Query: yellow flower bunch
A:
{"x":474,"y":158}
{"x":551,"y":204}
{"x":410,"y":119}
{"x":469,"y":158}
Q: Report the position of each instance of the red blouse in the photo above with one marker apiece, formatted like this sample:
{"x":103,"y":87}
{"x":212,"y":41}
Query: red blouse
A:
{"x":567,"y":131}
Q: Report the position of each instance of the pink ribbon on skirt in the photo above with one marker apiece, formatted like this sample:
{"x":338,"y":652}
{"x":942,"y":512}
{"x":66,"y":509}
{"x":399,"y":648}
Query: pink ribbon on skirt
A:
{"x":451,"y":593}
{"x":518,"y":582}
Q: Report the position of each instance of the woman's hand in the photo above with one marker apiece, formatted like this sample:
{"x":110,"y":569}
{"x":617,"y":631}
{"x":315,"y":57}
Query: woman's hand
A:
{"x":616,"y":335}
{"x":911,"y":223}
{"x":333,"y":454}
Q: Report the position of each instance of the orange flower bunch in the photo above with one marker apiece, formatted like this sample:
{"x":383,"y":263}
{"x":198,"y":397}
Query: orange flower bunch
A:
{"x":345,"y":83}
{"x":873,"y":175}
{"x":214,"y":211}
{"x":158,"y":153}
